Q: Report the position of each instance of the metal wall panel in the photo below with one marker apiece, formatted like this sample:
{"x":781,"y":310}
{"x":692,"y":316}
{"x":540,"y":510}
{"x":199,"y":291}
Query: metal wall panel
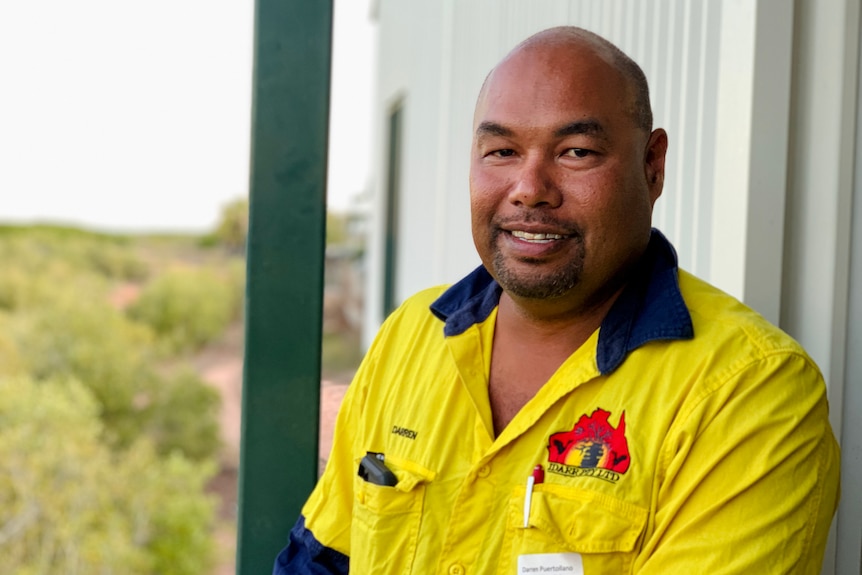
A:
{"x":822,"y":290}
{"x":849,"y":535}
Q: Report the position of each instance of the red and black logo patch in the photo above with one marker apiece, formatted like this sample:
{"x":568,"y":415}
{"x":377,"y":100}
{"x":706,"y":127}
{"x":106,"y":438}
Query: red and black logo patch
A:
{"x":593,"y":448}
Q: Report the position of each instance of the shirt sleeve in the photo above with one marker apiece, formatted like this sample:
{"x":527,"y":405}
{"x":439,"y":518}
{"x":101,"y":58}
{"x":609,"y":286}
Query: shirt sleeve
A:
{"x":749,"y":479}
{"x":305,"y":555}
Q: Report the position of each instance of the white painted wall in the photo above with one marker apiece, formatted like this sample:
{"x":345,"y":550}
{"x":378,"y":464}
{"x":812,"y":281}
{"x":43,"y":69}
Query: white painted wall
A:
{"x":751,"y":151}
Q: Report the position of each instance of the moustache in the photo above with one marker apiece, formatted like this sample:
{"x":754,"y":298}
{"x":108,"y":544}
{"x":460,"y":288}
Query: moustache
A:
{"x":537,"y":219}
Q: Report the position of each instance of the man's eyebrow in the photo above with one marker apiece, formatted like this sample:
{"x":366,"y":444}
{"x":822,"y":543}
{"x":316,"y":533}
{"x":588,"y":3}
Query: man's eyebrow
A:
{"x":493,"y":129}
{"x":586,"y":127}
{"x":591,"y":127}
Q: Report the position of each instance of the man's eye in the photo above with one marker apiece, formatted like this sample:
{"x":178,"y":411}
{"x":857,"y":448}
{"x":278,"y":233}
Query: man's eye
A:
{"x":578,"y":152}
{"x":503,"y":153}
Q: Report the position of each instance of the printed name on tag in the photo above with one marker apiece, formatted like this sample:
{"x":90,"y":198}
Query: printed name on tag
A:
{"x":563,"y":563}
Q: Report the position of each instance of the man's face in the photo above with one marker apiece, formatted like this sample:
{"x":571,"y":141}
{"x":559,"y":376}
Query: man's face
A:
{"x":562,"y":181}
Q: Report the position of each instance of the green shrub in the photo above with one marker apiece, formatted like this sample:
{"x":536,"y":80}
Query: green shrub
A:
{"x":43,"y":249}
{"x":173,"y":517}
{"x":16,"y":287}
{"x":115,"y":262}
{"x":57,"y":510}
{"x":232,"y":229}
{"x":92,"y":342}
{"x":10,"y":358}
{"x":68,"y":504}
{"x":111,"y":356}
{"x":39,"y":270}
{"x":104,"y":452}
{"x":183,"y":417}
{"x":186,"y":307}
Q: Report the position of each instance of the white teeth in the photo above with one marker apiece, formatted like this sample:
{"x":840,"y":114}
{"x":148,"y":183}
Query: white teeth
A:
{"x":538,"y":238}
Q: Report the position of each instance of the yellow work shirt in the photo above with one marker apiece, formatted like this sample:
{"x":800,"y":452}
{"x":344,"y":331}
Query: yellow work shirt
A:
{"x":687,"y":435}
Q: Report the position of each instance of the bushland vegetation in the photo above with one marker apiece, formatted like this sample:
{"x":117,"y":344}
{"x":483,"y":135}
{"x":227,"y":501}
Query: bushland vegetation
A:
{"x":107,"y":436}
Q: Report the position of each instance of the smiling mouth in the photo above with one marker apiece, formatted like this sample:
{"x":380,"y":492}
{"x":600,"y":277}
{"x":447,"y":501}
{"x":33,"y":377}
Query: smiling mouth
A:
{"x":536,"y":238}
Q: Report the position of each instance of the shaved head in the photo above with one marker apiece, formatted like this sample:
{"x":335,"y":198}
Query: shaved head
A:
{"x":566,"y":36}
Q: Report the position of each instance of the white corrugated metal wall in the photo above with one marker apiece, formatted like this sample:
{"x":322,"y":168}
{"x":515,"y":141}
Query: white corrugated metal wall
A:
{"x":757,"y":97}
{"x":818,"y":301}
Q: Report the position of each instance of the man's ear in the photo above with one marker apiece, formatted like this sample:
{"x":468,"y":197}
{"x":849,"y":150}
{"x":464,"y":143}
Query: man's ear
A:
{"x":654,"y":156}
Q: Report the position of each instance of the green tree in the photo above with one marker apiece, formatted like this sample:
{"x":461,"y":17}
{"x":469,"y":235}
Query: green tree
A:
{"x":187,"y":307}
{"x":232,"y":228}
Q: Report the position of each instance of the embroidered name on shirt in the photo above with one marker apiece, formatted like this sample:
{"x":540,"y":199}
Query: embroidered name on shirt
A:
{"x":404,"y":432}
{"x":593,"y":448}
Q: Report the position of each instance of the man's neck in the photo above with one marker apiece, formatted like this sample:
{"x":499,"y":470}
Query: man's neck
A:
{"x":530,"y":344}
{"x":552,"y":322}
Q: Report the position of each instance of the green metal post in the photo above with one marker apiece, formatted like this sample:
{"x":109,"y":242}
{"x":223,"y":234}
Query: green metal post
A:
{"x":284,"y":291}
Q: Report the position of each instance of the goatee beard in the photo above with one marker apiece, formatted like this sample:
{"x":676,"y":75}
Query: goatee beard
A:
{"x":541,"y":285}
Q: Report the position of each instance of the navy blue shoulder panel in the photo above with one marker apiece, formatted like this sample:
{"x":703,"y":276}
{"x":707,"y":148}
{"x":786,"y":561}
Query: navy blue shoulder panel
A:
{"x":650,"y":308}
{"x":305,"y":555}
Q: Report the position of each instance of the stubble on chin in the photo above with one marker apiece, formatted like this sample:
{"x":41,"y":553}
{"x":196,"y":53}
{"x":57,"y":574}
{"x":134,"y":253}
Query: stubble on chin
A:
{"x":538,"y":284}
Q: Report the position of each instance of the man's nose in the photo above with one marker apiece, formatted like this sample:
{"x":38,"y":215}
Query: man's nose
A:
{"x":534,"y":186}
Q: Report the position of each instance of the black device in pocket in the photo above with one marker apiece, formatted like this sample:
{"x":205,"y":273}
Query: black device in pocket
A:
{"x":373,"y":470}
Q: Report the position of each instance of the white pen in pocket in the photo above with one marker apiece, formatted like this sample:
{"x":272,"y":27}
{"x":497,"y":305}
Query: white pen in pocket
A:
{"x":535,"y":478}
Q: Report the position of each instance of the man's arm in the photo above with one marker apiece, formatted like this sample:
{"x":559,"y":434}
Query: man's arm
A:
{"x":305,"y":554}
{"x":750,"y":476}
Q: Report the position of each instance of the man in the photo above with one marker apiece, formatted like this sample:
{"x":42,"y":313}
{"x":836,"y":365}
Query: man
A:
{"x":577,"y":404}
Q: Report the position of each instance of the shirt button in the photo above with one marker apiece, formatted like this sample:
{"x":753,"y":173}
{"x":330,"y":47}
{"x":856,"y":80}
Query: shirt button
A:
{"x":456,"y":569}
{"x":484,"y":471}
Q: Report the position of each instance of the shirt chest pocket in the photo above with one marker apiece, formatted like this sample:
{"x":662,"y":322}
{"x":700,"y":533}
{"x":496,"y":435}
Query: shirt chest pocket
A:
{"x":603,"y":529}
{"x":386,"y":520}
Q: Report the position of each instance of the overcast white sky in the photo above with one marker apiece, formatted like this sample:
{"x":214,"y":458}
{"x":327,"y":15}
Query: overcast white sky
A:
{"x":134,"y":115}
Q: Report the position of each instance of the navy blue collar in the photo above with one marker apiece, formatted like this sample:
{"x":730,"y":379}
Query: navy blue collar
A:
{"x":650,"y":308}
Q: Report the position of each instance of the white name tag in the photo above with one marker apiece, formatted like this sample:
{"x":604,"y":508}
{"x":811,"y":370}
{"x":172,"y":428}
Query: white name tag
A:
{"x":552,"y":563}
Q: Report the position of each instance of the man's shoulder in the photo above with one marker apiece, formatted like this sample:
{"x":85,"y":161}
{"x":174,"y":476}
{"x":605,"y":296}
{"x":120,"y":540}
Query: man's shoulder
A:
{"x":419,"y":304}
{"x":415,"y":311}
{"x":424,"y":298}
{"x":718,"y":316}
